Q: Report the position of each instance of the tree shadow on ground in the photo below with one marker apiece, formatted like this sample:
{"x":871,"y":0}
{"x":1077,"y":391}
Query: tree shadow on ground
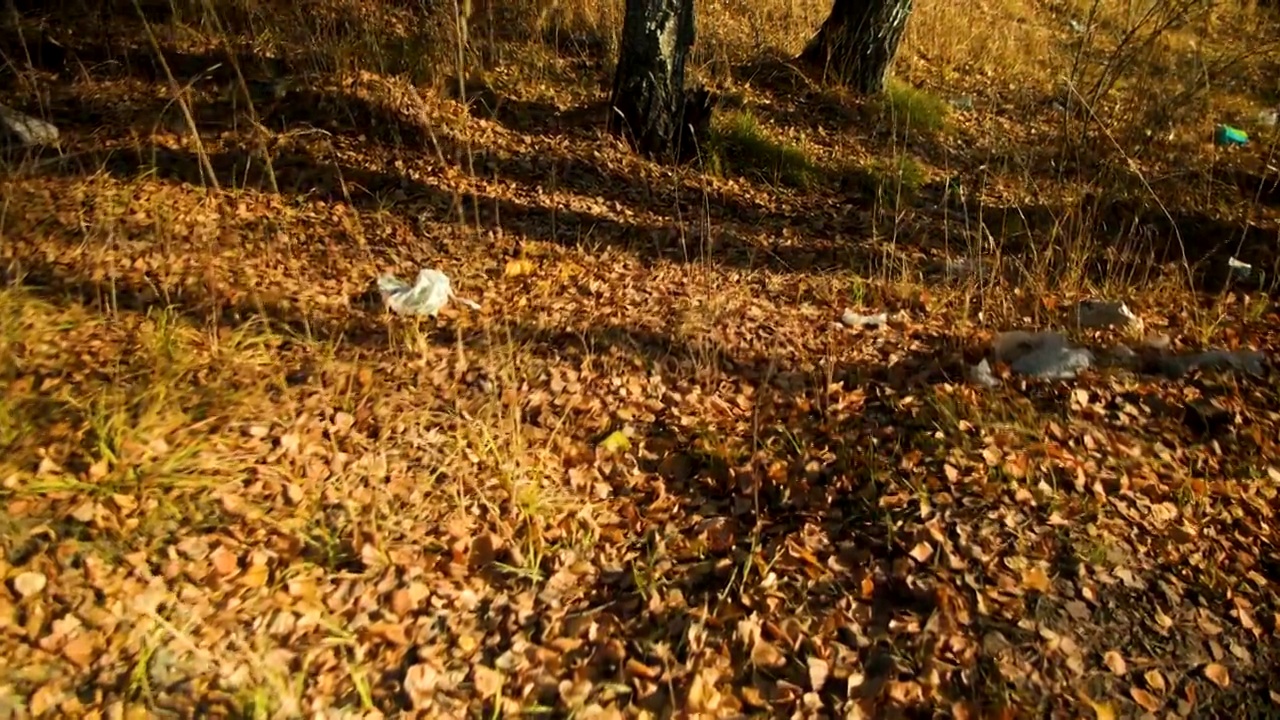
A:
{"x":735,"y":221}
{"x":801,"y":101}
{"x":531,"y":117}
{"x":288,"y":107}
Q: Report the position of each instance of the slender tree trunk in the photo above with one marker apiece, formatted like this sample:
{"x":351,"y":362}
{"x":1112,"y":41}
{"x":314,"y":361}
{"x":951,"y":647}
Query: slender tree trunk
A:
{"x":649,"y":105}
{"x":857,"y":42}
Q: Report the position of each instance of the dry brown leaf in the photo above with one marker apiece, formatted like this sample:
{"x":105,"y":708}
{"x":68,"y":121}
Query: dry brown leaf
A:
{"x":752,"y":696}
{"x":394,"y":633}
{"x":1149,"y":702}
{"x":1115,"y":662}
{"x":1245,"y":614}
{"x":256,"y":576}
{"x":484,"y":550}
{"x":1101,"y":710}
{"x":29,"y":583}
{"x":1218,"y":675}
{"x":224,"y":561}
{"x":80,"y":650}
{"x":44,"y":699}
{"x":519,"y":267}
{"x":420,"y":683}
{"x":1035,"y":578}
{"x":488,"y":682}
{"x":639,"y":669}
{"x":702,"y":695}
{"x":819,"y":671}
{"x":1155,"y":681}
{"x":765,"y":654}
{"x":922,"y":552}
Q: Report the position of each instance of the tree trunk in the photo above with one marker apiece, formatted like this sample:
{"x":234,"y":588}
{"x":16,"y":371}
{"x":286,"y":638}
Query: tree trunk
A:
{"x":649,"y":106}
{"x":858,"y":41}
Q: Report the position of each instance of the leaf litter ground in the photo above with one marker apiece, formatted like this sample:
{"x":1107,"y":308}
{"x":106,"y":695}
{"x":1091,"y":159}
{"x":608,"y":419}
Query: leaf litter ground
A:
{"x":648,"y":477}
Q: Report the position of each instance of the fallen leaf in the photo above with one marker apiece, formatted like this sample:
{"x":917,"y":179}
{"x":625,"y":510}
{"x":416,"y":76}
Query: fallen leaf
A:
{"x":616,"y":442}
{"x":1155,"y":681}
{"x":639,"y":669}
{"x":394,"y":633}
{"x":488,"y":681}
{"x":765,"y":654}
{"x":819,"y":671}
{"x":752,"y":696}
{"x":80,"y":650}
{"x":518,"y":267}
{"x":44,"y":699}
{"x":256,"y":576}
{"x":484,"y":550}
{"x":225,"y":562}
{"x":1115,"y":662}
{"x":1035,"y":578}
{"x":1149,"y":702}
{"x":420,"y":683}
{"x":29,"y":583}
{"x":1101,"y":710}
{"x":1217,"y":674}
{"x":1244,"y":612}
{"x":922,"y":552}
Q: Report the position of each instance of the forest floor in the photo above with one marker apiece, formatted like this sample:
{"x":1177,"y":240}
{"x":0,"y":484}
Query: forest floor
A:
{"x":653,"y":475}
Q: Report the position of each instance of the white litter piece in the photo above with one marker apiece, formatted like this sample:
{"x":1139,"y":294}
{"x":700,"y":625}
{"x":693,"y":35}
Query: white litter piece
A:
{"x":1240,"y":271}
{"x":981,"y":374}
{"x":1096,"y":314}
{"x":855,"y":320}
{"x":425,"y":297}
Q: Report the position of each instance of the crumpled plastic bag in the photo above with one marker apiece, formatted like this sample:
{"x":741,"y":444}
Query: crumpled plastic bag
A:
{"x":981,"y":374}
{"x":1250,"y":362}
{"x":1045,"y":355}
{"x":858,"y":320}
{"x":425,"y":297}
{"x":1097,"y":314}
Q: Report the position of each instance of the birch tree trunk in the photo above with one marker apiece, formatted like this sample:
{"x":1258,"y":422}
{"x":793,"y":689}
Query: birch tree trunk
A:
{"x":649,"y":105}
{"x":857,"y":42}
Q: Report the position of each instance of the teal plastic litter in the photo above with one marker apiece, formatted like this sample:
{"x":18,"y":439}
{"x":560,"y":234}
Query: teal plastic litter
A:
{"x":1227,"y":135}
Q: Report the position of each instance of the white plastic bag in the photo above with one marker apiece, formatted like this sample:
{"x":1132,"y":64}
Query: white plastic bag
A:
{"x":425,"y":297}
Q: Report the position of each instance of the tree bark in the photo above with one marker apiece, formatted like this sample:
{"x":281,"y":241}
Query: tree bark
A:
{"x":857,"y":42}
{"x":649,"y":105}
